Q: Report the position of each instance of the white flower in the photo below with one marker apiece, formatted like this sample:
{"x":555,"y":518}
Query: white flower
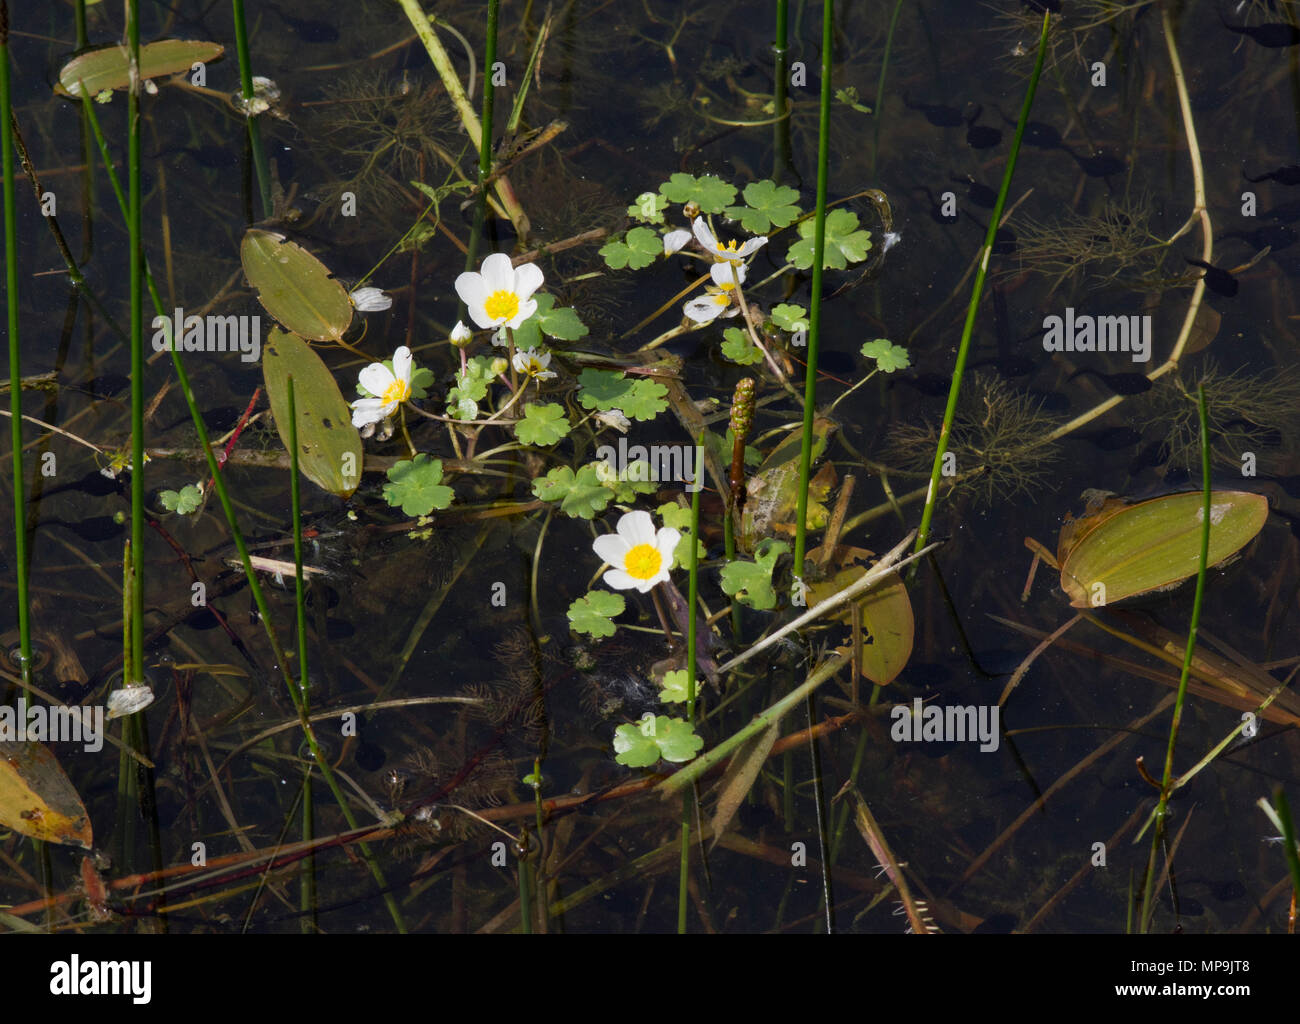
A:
{"x":460,"y":334}
{"x":389,"y":388}
{"x":674,"y":240}
{"x":500,"y":295}
{"x":370,"y":300}
{"x":729,"y":252}
{"x":532,"y":363}
{"x":716,"y":303}
{"x":639,"y":554}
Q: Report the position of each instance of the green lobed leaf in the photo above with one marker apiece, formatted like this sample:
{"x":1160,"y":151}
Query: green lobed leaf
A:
{"x":737,"y":347}
{"x":888,"y":356}
{"x":648,"y":208}
{"x":768,"y":205}
{"x":639,"y":248}
{"x":580,"y":495}
{"x":750,"y":583}
{"x":639,"y":399}
{"x":845,"y":242}
{"x":712,"y":193}
{"x":542,"y":425}
{"x":790,"y":317}
{"x":555,"y":323}
{"x":655,"y":736}
{"x":416,"y":486}
{"x":591,"y":613}
{"x":185,"y":501}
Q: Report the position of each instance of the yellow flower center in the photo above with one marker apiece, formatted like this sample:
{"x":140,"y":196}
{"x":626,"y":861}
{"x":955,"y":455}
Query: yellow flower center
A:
{"x":643,"y":562}
{"x":502,"y":305}
{"x":398,"y":391}
{"x":730,"y":247}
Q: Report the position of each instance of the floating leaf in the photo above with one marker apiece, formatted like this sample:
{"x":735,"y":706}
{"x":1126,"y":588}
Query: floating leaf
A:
{"x":638,"y":249}
{"x":542,"y":424}
{"x":790,"y":317}
{"x":750,"y":583}
{"x":1121,"y":551}
{"x":655,"y":736}
{"x":580,"y":495}
{"x":888,"y":625}
{"x":639,"y":399}
{"x":845,"y":242}
{"x":888,"y":356}
{"x":36,"y":798}
{"x":673,"y":690}
{"x":295,"y":287}
{"x":555,"y":323}
{"x":416,"y":486}
{"x":768,"y":205}
{"x":674,"y":515}
{"x":329,"y":446}
{"x":185,"y":501}
{"x":737,"y":347}
{"x":712,"y":193}
{"x":591,"y":613}
{"x":109,"y":67}
{"x":648,"y":208}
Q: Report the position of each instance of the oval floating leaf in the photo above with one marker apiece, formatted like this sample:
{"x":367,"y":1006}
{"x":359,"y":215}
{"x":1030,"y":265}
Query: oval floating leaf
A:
{"x":109,"y":67}
{"x":294,"y":286}
{"x":888,"y":626}
{"x":1127,"y":550}
{"x":329,"y":446}
{"x":36,"y":798}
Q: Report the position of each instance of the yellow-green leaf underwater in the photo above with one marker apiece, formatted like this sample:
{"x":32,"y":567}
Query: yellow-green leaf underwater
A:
{"x":295,"y":287}
{"x":36,"y":798}
{"x":108,"y":68}
{"x":329,"y":446}
{"x":1127,"y":550}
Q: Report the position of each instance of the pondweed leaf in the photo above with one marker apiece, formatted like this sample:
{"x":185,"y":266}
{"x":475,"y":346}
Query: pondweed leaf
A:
{"x":591,"y":613}
{"x":329,"y":447}
{"x":36,"y":798}
{"x":109,"y":68}
{"x":294,"y":286}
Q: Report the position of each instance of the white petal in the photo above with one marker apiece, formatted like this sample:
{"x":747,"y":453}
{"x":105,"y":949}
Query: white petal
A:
{"x":498,"y":274}
{"x":528,"y":278}
{"x":460,"y":332}
{"x":375,"y":378}
{"x":667,"y":542}
{"x":620,"y":580}
{"x":721,"y":273}
{"x":704,"y":236}
{"x":636,"y":528}
{"x":752,"y":245}
{"x":611,"y":548}
{"x":370,"y":300}
{"x":471,"y":289}
{"x":702,"y":311}
{"x":402,"y":364}
{"x":367,"y":410}
{"x":674,"y":240}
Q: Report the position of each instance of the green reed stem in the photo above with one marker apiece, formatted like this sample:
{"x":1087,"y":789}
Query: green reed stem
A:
{"x":1167,"y":780}
{"x":263,"y":168}
{"x":780,"y":54}
{"x":692,"y":602}
{"x":135,"y":228}
{"x":959,"y":368}
{"x":815,"y":303}
{"x":878,"y":103}
{"x":1288,"y":839}
{"x":15,"y":359}
{"x":307,"y":893}
{"x":489,"y":93}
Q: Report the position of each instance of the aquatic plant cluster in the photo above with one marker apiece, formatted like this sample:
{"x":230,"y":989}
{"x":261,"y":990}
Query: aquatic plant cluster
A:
{"x":510,"y":493}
